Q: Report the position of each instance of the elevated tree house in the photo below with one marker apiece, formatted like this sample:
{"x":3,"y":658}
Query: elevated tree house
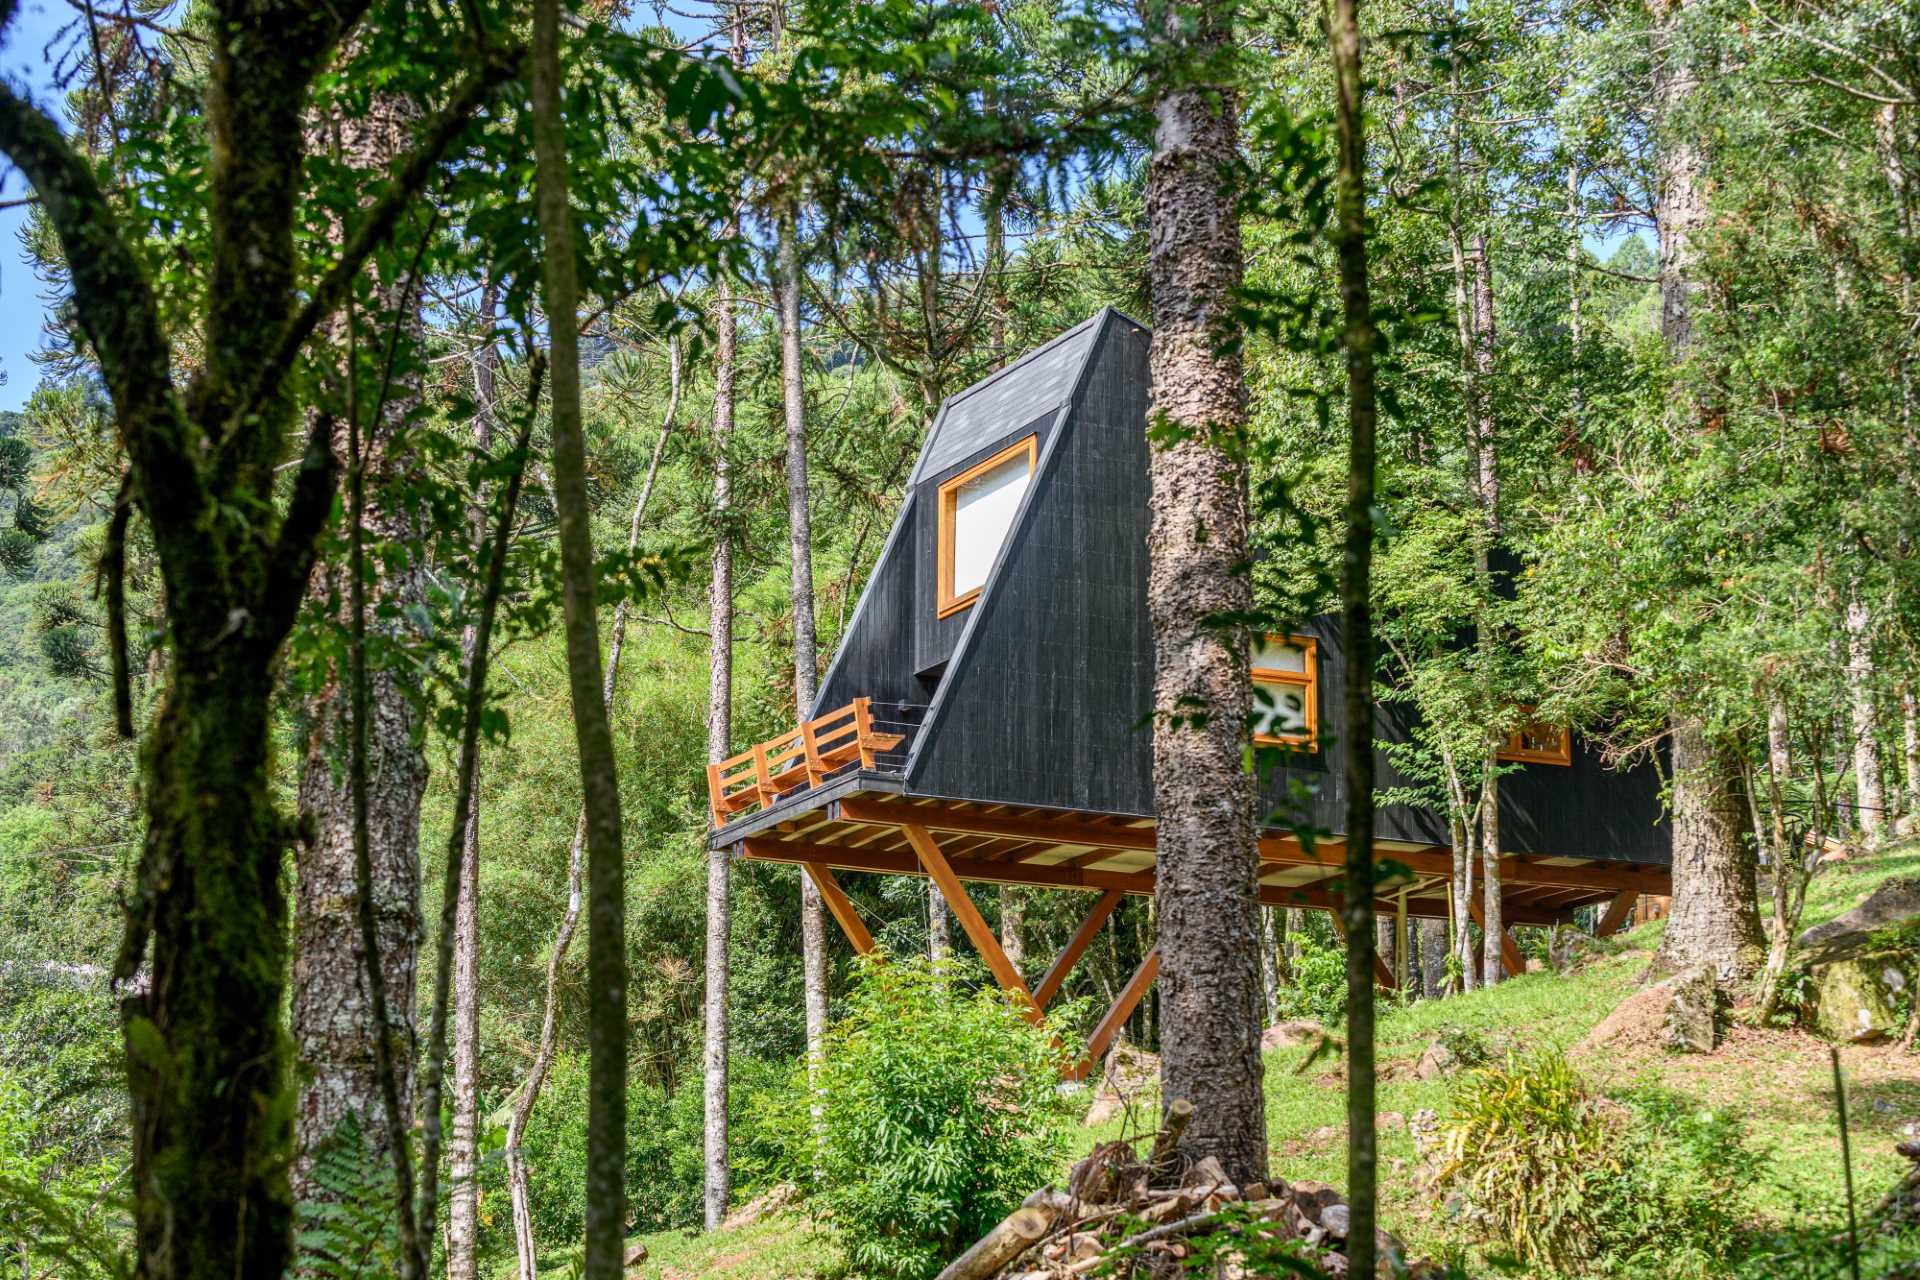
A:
{"x":983,"y":721}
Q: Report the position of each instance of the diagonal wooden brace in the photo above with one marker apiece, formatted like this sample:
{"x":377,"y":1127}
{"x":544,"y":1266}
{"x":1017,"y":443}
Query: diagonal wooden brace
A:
{"x":1383,"y":974}
{"x":841,"y":906}
{"x":1123,"y":1006}
{"x":969,"y":917}
{"x":1076,"y":947}
{"x":1618,"y":912}
{"x":1510,"y":958}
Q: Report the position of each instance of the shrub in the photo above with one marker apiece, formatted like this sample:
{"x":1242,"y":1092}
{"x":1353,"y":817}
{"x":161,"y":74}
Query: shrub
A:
{"x":1569,"y":1183}
{"x":1319,"y":988}
{"x":935,"y":1110}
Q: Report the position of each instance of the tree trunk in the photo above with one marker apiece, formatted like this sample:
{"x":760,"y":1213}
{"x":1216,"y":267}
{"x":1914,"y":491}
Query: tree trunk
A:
{"x":718,"y":1181}
{"x":1013,"y":932}
{"x":1682,"y":169}
{"x":463,"y":1145}
{"x":1359,"y":340}
{"x":1492,"y":926}
{"x":939,"y":925}
{"x":1209,"y":930}
{"x":1433,"y":958}
{"x":1869,"y":795}
{"x":330,"y":1015}
{"x":806,"y":664}
{"x":1910,"y":738}
{"x":606,"y":870}
{"x":1465,"y":854}
{"x":1786,"y":860}
{"x":1713,"y":920}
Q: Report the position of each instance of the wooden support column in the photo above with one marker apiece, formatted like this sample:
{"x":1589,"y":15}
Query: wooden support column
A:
{"x":841,"y":906}
{"x":1510,"y":958}
{"x":1083,"y":937}
{"x":1123,"y":1007}
{"x":984,"y":940}
{"x":1618,"y":912}
{"x":1382,"y":974}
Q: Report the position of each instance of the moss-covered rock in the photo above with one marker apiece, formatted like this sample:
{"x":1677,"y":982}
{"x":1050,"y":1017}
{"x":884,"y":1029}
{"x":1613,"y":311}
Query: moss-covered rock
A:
{"x":1854,"y":1000}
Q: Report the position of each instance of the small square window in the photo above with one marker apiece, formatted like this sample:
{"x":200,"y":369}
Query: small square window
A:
{"x":977,"y":508}
{"x":1538,"y":742}
{"x":1286,"y":691}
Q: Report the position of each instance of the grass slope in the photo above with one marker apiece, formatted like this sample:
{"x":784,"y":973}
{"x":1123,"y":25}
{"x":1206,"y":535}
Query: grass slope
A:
{"x":1777,"y":1081}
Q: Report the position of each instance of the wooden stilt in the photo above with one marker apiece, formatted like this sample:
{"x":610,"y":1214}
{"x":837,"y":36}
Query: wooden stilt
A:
{"x":1510,"y":958}
{"x":841,"y":906}
{"x":984,"y":940}
{"x":1056,"y":975}
{"x":1123,"y":1007}
{"x":1618,"y":912}
{"x":1382,"y":974}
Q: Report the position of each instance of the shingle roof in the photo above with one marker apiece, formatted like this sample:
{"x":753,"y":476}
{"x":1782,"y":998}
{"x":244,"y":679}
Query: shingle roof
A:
{"x":1007,"y":399}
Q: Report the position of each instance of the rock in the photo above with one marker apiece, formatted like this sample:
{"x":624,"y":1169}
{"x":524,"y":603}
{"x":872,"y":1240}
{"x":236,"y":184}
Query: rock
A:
{"x":1536,"y":965}
{"x":764,"y":1205}
{"x":1892,"y":908}
{"x":1854,"y":1000}
{"x":1336,"y":1219}
{"x":1692,"y":1012}
{"x":1299,"y":1031}
{"x":1438,"y":1060}
{"x":1635,"y":1022}
{"x":1425,"y":1131}
{"x":634,"y":1256}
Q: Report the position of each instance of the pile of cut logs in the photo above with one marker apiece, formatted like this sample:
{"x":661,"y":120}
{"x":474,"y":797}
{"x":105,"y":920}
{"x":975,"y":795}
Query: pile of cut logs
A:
{"x":1121,"y":1215}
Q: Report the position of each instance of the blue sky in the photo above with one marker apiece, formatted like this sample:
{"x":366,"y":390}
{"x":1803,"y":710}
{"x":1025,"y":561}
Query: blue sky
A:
{"x":27,"y":66}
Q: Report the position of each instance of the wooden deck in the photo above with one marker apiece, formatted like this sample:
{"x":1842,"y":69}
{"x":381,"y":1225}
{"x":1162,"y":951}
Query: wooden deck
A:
{"x":860,"y":827}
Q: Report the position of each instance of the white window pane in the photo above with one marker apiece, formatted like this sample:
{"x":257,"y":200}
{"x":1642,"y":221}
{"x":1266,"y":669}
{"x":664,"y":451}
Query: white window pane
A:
{"x":1273,"y":654}
{"x":1279,"y":710}
{"x":984,"y":508}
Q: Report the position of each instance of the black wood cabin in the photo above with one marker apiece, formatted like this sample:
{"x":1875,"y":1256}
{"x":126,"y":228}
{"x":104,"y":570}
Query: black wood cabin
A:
{"x":984,"y":718}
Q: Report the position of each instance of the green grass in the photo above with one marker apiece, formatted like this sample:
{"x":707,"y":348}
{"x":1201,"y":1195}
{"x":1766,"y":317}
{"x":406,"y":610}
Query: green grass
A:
{"x":1777,"y":1080}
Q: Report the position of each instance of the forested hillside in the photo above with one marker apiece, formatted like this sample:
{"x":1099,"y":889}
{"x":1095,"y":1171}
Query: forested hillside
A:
{"x":458,"y":426}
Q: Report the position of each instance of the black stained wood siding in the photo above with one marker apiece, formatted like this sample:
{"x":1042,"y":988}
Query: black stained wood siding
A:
{"x":1043,"y":704}
{"x":875,"y":658}
{"x":1045,"y":698}
{"x":934,"y":637}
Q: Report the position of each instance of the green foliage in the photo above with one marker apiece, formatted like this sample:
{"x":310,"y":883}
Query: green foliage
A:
{"x":1568,"y":1183}
{"x":937,"y":1110}
{"x":349,"y":1231}
{"x":1319,"y":988}
{"x":62,"y":1217}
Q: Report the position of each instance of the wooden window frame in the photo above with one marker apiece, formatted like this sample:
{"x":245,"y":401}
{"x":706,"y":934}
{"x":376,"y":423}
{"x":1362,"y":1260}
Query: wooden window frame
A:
{"x":1515,"y":752}
{"x":946,"y":602}
{"x":1308,"y":679}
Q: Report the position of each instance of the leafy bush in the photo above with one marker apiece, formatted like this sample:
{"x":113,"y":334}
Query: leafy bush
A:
{"x":1319,"y":989}
{"x":1569,"y":1183}
{"x":936,"y":1110}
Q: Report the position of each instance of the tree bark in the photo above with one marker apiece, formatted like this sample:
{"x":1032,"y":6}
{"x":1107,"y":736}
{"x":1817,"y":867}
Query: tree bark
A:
{"x":1209,"y":930}
{"x":1869,"y":794}
{"x":1713,"y":920}
{"x":717,"y":1188}
{"x":606,"y":871}
{"x":939,"y":925}
{"x":1433,"y":958}
{"x":1492,"y":925}
{"x":1682,"y":168}
{"x":1781,"y":927}
{"x":806,"y":663}
{"x":1013,"y":932}
{"x":463,"y":1144}
{"x":330,"y":1014}
{"x":1910,"y":741}
{"x":1359,"y":341}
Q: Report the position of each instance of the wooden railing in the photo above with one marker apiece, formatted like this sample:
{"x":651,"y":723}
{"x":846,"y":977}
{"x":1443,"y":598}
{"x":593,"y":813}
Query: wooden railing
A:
{"x":802,"y":757}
